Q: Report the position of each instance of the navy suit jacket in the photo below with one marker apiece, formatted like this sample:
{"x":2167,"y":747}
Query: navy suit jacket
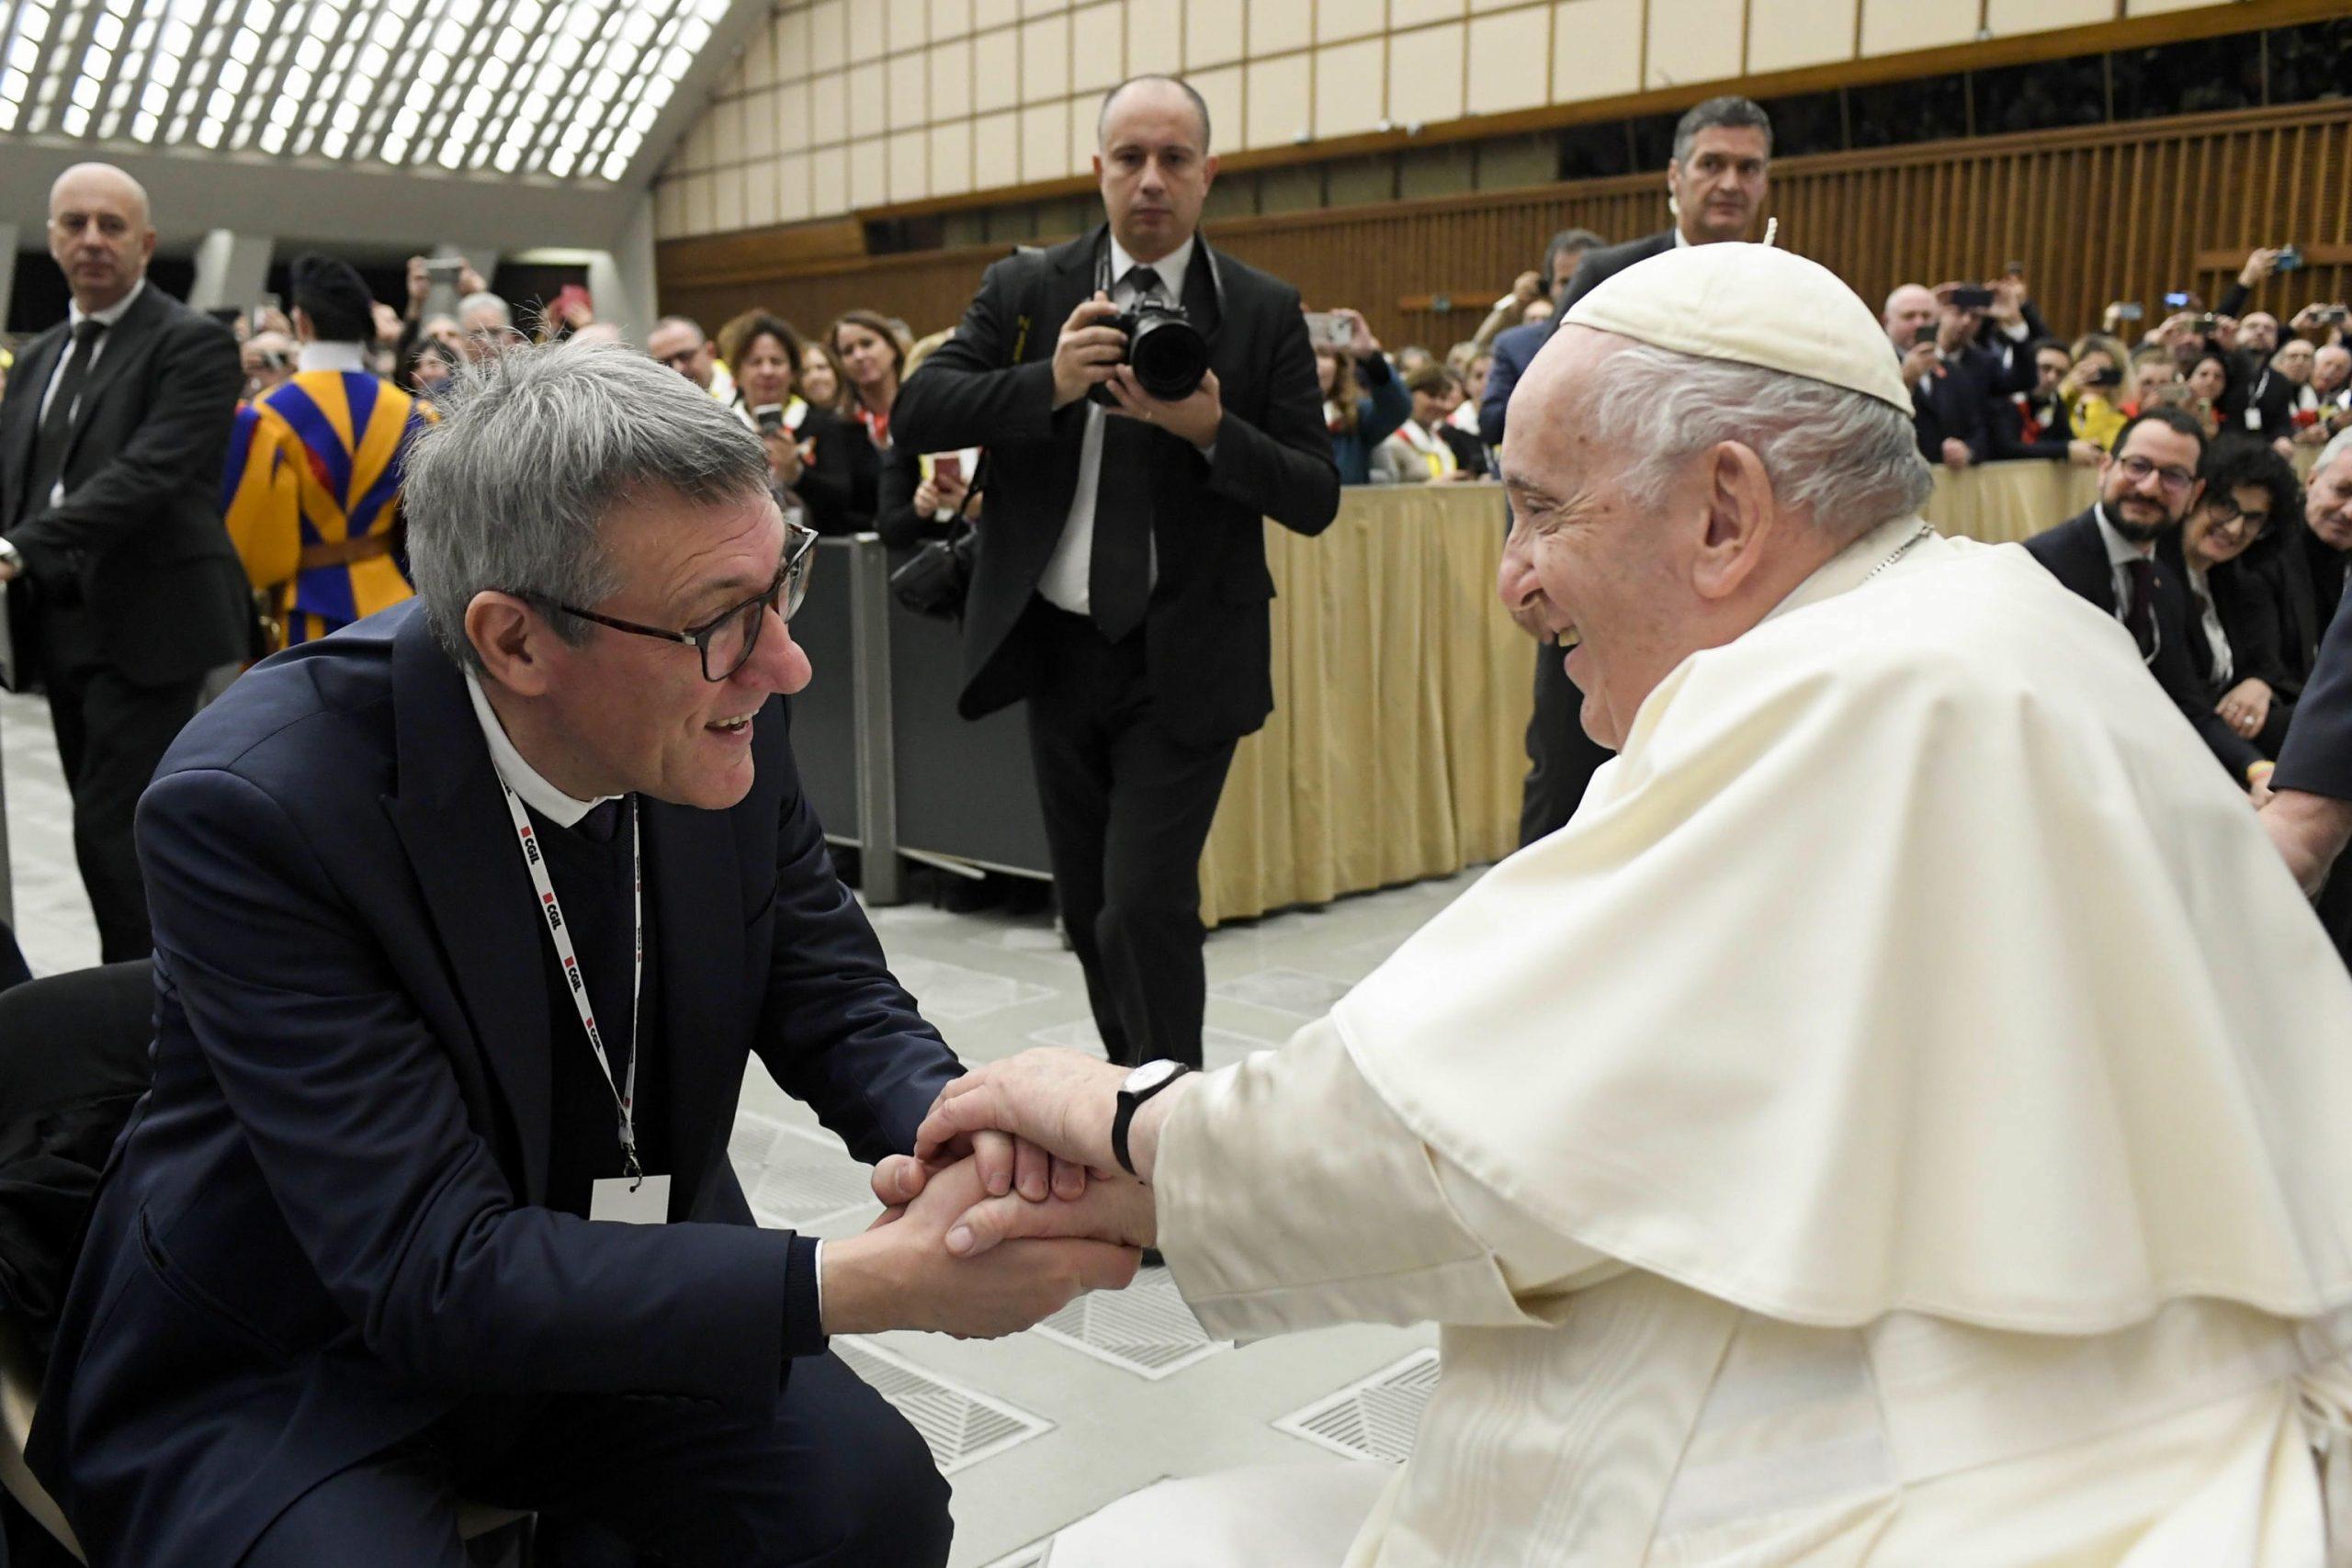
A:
{"x":2075,"y":554}
{"x":2317,"y":755}
{"x":322,"y":1230}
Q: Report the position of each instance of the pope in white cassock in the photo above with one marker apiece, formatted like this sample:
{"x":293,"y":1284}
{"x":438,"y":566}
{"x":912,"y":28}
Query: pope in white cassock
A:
{"x":1905,"y":1117}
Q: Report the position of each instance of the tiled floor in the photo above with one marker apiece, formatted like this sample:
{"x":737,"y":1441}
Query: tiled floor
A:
{"x":1115,"y":1391}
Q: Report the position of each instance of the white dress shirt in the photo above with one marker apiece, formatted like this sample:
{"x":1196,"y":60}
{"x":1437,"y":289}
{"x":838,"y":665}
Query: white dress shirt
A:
{"x":2120,"y":553}
{"x":1065,"y":583}
{"x":74,"y":317}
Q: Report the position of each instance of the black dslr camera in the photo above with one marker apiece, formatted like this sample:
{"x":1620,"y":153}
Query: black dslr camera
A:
{"x":1165,"y":349}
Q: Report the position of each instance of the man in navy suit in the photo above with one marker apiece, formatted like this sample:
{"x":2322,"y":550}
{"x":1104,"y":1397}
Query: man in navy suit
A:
{"x":2107,"y":555}
{"x":466,"y":920}
{"x":1716,"y":184}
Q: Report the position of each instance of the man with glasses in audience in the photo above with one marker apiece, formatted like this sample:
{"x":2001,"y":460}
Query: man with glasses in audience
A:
{"x":2107,"y":555}
{"x":680,"y":342}
{"x":467,"y":920}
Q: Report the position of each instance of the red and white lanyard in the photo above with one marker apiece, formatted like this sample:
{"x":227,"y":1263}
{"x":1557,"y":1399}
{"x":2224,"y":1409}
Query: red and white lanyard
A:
{"x":535,"y":862}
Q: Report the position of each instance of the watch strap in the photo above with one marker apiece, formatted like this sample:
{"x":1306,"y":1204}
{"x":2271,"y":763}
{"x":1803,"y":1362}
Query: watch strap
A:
{"x":1123,"y":1118}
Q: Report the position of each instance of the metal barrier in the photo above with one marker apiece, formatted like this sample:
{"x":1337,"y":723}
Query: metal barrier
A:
{"x":842,"y":723}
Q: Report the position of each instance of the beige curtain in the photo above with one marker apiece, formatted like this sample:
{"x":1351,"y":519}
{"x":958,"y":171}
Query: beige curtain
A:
{"x":1402,"y":691}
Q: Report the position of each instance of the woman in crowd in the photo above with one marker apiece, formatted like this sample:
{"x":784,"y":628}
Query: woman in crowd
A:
{"x":869,"y":356}
{"x":2098,"y":389}
{"x":920,"y":493}
{"x":1418,"y":452}
{"x":1363,"y":401}
{"x":2224,"y":551}
{"x":821,"y":380}
{"x":435,"y":363}
{"x":2208,"y":383}
{"x":813,"y":455}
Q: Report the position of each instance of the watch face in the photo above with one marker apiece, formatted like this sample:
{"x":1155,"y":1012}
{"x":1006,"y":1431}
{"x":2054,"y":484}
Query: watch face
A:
{"x":1151,"y":1075}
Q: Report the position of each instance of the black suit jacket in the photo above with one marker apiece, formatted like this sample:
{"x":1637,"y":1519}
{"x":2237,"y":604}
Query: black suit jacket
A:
{"x":139,"y":529}
{"x":2317,"y":756}
{"x":1957,"y":404}
{"x":2077,"y":556}
{"x":1207,"y":648}
{"x":2005,"y":431}
{"x":1598,"y":266}
{"x":324,"y":1226}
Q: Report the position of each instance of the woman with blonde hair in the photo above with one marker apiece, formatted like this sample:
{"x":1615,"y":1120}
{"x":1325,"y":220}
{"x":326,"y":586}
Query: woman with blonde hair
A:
{"x":2098,"y":389}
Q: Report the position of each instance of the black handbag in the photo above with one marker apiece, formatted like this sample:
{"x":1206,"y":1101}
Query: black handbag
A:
{"x":935,"y":579}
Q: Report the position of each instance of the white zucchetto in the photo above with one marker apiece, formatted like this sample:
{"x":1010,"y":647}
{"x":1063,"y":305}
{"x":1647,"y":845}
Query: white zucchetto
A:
{"x":1754,"y":305}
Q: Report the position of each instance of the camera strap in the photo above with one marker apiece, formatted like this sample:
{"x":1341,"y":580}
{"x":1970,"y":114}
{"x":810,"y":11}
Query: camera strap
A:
{"x":1104,"y":281}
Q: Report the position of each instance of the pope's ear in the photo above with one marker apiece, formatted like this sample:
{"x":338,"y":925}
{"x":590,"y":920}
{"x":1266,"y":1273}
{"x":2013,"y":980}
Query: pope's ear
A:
{"x":1740,"y":519}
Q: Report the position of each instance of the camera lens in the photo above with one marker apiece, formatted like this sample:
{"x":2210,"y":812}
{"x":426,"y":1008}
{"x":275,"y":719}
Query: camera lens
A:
{"x":1168,"y":354}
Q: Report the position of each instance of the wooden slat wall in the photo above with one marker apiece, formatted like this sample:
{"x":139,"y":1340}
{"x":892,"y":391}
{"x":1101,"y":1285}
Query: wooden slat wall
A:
{"x":2097,"y":214}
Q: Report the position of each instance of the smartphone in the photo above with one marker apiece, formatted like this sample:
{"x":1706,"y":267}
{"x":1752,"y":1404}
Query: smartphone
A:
{"x":2130,"y":311}
{"x":1969,"y":297}
{"x":769,"y":417}
{"x":2333,"y":315}
{"x":1329,"y":329}
{"x":570,"y":294}
{"x":947,"y":466}
{"x":2178,"y":300}
{"x":2172,"y":393}
{"x":2291,"y":257}
{"x":2110,"y":377}
{"x":2206,"y":323}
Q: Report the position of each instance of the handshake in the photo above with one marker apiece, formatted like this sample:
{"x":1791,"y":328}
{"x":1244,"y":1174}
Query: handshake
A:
{"x":1012,"y":1204}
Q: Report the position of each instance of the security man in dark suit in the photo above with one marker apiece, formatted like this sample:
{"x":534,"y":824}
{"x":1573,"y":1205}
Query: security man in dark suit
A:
{"x":2310,"y":815}
{"x":2107,"y":556}
{"x":123,"y":589}
{"x":1716,"y":184}
{"x":1120,"y":585}
{"x":468,"y":919}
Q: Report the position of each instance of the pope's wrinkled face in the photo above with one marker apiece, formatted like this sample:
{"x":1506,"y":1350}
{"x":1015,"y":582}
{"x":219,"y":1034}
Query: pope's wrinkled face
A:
{"x":637,"y":709}
{"x":1599,"y":570}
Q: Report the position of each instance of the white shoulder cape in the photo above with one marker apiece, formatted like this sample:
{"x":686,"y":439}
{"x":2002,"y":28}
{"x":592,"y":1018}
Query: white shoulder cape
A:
{"x":1914,"y":955}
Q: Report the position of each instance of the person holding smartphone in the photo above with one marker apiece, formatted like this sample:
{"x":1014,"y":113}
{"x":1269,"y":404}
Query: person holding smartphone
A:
{"x":920,"y":493}
{"x":2098,"y":389}
{"x":814,"y":454}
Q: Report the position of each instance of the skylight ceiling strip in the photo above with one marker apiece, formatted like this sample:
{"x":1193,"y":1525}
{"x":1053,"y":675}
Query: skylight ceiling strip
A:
{"x":457,"y":95}
{"x":384,"y":98}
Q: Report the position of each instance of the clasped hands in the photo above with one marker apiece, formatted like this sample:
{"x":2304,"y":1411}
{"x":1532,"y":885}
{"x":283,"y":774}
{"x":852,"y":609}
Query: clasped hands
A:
{"x":1012,"y":1205}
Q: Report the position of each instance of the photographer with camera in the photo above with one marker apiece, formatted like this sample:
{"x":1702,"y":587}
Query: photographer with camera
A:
{"x":1147,"y":403}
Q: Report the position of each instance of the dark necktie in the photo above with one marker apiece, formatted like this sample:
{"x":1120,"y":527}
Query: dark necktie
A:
{"x":2140,"y":615}
{"x":1118,"y":574}
{"x":57,"y":424}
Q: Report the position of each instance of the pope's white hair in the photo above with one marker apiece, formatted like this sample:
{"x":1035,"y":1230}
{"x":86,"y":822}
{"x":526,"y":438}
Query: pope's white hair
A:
{"x":1848,"y":460}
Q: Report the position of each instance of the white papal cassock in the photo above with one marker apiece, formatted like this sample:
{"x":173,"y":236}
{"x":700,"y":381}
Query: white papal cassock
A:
{"x":1905,"y":1117}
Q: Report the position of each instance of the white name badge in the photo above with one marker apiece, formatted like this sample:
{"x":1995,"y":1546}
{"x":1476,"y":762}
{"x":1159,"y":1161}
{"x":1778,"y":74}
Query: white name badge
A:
{"x":2253,"y":418}
{"x":638,"y":1201}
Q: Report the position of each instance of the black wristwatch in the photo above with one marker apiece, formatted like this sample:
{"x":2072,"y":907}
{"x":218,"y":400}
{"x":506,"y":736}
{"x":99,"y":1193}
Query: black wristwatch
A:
{"x":1141,"y":1086}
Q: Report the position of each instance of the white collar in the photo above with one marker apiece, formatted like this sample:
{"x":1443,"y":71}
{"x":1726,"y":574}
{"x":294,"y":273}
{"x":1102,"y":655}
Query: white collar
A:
{"x":2121,"y":551}
{"x":332,"y":357}
{"x":1413,"y":434}
{"x":1681,"y":240}
{"x":76,"y":315}
{"x":1172,"y":267}
{"x":521,"y":777}
{"x":1880,"y":548}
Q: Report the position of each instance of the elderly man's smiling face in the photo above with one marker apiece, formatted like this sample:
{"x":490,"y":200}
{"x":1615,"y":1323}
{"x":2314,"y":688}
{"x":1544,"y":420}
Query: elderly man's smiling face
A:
{"x":1636,"y":583}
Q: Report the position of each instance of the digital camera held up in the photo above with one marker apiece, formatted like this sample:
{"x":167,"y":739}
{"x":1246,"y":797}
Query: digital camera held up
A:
{"x":1167,"y":352}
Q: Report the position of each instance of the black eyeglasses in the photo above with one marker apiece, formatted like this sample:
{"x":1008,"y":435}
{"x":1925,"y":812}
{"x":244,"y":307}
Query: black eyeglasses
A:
{"x":2227,"y":513}
{"x":727,"y":639}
